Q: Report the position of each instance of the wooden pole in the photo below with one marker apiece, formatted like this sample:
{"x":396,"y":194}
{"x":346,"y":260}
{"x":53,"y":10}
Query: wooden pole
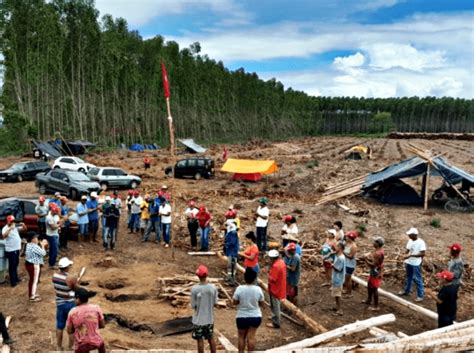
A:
{"x":339,"y":332}
{"x":308,"y":322}
{"x":173,"y":158}
{"x":427,"y":184}
{"x":406,"y":303}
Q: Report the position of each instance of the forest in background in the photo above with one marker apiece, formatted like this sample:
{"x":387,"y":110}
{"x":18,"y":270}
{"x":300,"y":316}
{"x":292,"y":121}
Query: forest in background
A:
{"x":67,"y":70}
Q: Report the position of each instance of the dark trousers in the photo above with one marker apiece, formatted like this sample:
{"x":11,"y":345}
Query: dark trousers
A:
{"x":13,"y":262}
{"x":262,"y":238}
{"x":193,"y":227}
{"x":65,"y":231}
{"x":3,"y":328}
{"x":86,"y":348}
{"x":93,"y":228}
{"x":42,"y":230}
{"x":134,"y":223}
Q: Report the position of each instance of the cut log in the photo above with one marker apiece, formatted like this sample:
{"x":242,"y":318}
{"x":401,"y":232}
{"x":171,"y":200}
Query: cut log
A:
{"x":308,"y":322}
{"x":228,"y":346}
{"x":375,"y":331}
{"x":201,"y":253}
{"x":402,"y":335}
{"x":339,"y":332}
{"x":395,"y":298}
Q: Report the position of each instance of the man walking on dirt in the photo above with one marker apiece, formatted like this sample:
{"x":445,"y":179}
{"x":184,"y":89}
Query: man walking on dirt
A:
{"x":83,"y":221}
{"x":203,"y":300}
{"x":64,"y":287}
{"x":93,"y":206}
{"x":262,"y":215}
{"x":415,"y":250}
{"x":276,"y":286}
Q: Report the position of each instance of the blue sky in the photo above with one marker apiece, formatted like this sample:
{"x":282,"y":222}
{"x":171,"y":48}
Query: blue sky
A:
{"x":374,"y":48}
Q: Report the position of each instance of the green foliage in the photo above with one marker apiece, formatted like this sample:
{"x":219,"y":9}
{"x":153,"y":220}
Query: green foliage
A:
{"x":436,"y":223}
{"x":15,"y":134}
{"x":361,"y":229}
{"x":313,"y":163}
{"x":96,"y":79}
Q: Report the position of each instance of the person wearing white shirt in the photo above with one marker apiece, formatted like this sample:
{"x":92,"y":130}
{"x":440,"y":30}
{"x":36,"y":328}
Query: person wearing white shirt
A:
{"x":165,"y":214}
{"x":290,"y":229}
{"x":415,"y":250}
{"x":262,"y":214}
{"x":193,"y":223}
{"x":135,"y":211}
{"x":12,"y":247}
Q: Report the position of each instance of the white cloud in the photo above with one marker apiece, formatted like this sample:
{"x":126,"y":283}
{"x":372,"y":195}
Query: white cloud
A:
{"x":141,"y":12}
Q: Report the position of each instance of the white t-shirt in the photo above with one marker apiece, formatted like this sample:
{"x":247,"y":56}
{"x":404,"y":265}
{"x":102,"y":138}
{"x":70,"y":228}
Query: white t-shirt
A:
{"x":136,"y":203}
{"x":166,"y":208}
{"x":291,"y":230}
{"x":191,"y":212}
{"x":231,"y":225}
{"x":265,"y":212}
{"x":249,"y":297}
{"x":13,"y":241}
{"x":415,"y":247}
{"x":52,"y":220}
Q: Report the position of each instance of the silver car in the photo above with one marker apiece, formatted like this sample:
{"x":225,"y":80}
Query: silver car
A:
{"x":114,"y":178}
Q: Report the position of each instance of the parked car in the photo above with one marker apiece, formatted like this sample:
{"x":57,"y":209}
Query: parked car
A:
{"x":23,"y":171}
{"x":67,"y":182}
{"x":114,"y":178}
{"x":23,"y":209}
{"x":196,"y":168}
{"x":72,"y":163}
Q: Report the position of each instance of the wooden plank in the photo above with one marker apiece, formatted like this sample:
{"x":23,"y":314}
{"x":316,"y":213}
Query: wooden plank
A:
{"x":201,"y":253}
{"x":228,"y":346}
{"x":339,"y":332}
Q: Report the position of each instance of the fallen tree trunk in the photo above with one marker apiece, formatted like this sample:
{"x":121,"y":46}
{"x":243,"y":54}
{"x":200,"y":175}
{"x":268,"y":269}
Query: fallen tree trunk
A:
{"x":406,"y":303}
{"x":308,"y":322}
{"x":339,"y":332}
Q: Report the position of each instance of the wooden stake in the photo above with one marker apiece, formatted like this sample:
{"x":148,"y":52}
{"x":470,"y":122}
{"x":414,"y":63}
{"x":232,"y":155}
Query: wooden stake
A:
{"x":173,"y":158}
{"x":427,"y":184}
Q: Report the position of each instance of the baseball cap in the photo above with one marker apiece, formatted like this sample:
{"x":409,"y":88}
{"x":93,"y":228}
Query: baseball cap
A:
{"x":448,"y":276}
{"x":164,"y":187}
{"x":291,"y":246}
{"x":57,"y":194}
{"x":263,"y":200}
{"x":287,"y":218}
{"x":54,"y":208}
{"x":352,"y":234}
{"x":202,"y":271}
{"x":64,"y":262}
{"x":273,"y":253}
{"x":10,"y":219}
{"x":83,"y":294}
{"x":83,"y":197}
{"x":108,"y":198}
{"x":412,"y":230}
{"x":93,"y":194}
{"x":41,"y":199}
{"x":136,"y":193}
{"x":455,"y":247}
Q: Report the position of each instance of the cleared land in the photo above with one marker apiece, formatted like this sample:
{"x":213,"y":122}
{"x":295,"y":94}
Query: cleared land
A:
{"x":135,"y":267}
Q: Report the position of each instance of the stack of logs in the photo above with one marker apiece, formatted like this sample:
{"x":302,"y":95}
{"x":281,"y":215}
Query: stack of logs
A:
{"x":347,"y":188}
{"x":177,"y":290}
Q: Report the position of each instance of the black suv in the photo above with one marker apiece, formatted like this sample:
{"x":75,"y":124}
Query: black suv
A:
{"x":196,"y":168}
{"x":23,"y":171}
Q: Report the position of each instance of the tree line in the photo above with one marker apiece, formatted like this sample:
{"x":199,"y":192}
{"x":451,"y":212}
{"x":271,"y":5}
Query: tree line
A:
{"x":67,"y":70}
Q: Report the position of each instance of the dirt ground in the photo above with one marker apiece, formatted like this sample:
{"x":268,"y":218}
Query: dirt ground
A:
{"x":293,"y":190}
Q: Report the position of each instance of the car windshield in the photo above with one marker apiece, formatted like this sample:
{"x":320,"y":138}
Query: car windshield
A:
{"x":78,"y":160}
{"x":18,"y":166}
{"x":78,"y":176}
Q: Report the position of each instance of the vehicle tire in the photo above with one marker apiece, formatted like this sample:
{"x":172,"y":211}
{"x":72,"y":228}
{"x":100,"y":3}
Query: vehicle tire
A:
{"x":82,"y":170}
{"x":57,"y":167}
{"x":197,"y":176}
{"x":437,"y":195}
{"x":169,"y":174}
{"x":452,"y":206}
{"x":104,"y":186}
{"x":19,"y":178}
{"x":42,"y":189}
{"x":133,"y":185}
{"x":73,"y":194}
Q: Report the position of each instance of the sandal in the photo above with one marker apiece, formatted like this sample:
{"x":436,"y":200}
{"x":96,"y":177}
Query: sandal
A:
{"x":35,"y":299}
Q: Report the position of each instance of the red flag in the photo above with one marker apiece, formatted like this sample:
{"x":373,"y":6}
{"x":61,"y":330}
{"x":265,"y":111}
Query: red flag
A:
{"x":166,"y":84}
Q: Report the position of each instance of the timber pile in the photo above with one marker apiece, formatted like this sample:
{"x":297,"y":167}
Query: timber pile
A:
{"x":177,"y":290}
{"x":347,"y":188}
{"x":431,"y":136}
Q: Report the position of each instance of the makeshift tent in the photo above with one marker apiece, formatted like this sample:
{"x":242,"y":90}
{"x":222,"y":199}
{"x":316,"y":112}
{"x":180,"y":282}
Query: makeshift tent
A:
{"x":47,"y":149}
{"x":246,"y":166}
{"x":396,"y":192}
{"x":192,"y":146}
{"x":137,"y":147}
{"x":78,"y":146}
{"x":247,"y":176}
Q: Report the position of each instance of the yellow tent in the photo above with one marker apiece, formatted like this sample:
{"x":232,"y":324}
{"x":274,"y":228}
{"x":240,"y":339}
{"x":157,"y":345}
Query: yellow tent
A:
{"x":249,"y":166}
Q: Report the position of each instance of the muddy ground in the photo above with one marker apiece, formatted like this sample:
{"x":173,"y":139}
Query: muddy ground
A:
{"x":135,"y":267}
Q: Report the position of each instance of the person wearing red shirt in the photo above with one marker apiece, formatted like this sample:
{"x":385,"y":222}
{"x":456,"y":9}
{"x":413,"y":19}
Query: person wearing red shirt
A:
{"x":204,"y":218}
{"x":250,"y":254}
{"x":147,"y":162}
{"x":276,"y":286}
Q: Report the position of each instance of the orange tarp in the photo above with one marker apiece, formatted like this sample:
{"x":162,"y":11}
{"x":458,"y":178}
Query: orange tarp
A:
{"x":246,"y":166}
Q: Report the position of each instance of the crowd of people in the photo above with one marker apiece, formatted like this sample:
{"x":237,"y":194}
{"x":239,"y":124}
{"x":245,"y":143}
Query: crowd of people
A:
{"x":149,"y":214}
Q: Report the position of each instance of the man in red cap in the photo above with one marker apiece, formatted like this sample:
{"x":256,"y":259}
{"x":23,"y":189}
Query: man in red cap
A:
{"x":52,"y":233}
{"x":41,"y":211}
{"x":446,"y":299}
{"x":193,"y":224}
{"x":12,"y":247}
{"x":293,"y":271}
{"x":203,"y":300}
{"x":456,"y":265}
